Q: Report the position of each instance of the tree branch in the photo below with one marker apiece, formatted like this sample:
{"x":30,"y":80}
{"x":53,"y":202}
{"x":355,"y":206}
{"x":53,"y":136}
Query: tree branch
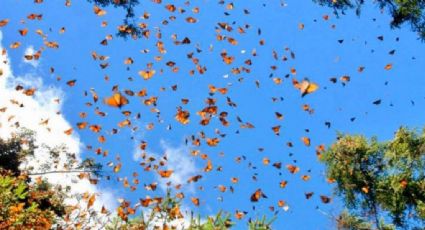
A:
{"x":63,"y":171}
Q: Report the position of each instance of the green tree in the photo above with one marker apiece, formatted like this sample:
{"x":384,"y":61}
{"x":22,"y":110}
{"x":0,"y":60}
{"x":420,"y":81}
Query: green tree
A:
{"x":164,"y":213}
{"x":27,"y":201}
{"x":25,"y":205}
{"x":380,"y":182}
{"x":129,"y":26}
{"x":12,"y":152}
{"x":401,"y":11}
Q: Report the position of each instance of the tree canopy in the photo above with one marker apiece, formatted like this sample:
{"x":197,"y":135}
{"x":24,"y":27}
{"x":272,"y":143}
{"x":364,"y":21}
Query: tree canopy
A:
{"x":129,"y":28}
{"x":411,"y":12}
{"x":381,"y":181}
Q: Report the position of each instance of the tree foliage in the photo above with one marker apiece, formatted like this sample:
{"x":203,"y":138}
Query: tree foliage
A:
{"x":129,"y":26}
{"x":25,"y":205}
{"x":12,"y":152}
{"x":381,"y":180}
{"x":27,"y":201}
{"x":401,"y":11}
{"x":165,"y":213}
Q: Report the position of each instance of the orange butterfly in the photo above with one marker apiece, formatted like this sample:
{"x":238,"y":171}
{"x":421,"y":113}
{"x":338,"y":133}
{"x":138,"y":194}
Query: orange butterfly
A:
{"x":117,"y":167}
{"x":325,"y":199}
{"x":165,"y":173}
{"x":4,"y":22}
{"x":388,"y":66}
{"x":148,"y":74}
{"x":191,"y":20}
{"x":292,"y":168}
{"x":209,"y":166}
{"x":170,"y":7}
{"x":68,"y":131}
{"x":117,"y":100}
{"x":71,"y":83}
{"x":35,"y":16}
{"x":239,"y":215}
{"x":306,"y":141}
{"x":15,"y":45}
{"x":182,"y":116}
{"x":128,"y":61}
{"x":276,"y":130}
{"x":228,"y":59}
{"x":213,"y":141}
{"x":306,"y":87}
{"x":53,"y":45}
{"x":23,"y":32}
{"x":195,"y":201}
{"x":82,"y":125}
{"x":95,"y":128}
{"x":91,"y":200}
{"x":98,"y":11}
{"x":257,"y":195}
{"x":214,"y":89}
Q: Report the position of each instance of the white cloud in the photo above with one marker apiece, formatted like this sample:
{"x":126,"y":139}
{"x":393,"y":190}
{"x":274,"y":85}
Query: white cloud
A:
{"x":183,"y":165}
{"x":30,"y":51}
{"x":28,"y":112}
{"x":179,"y":160}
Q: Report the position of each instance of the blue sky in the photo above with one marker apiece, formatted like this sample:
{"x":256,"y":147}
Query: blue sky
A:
{"x":318,"y":56}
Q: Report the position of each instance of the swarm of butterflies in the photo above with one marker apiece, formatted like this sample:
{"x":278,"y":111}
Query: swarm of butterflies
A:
{"x":120,"y":99}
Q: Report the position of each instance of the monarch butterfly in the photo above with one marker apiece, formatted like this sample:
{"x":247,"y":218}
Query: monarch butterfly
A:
{"x":325,"y":199}
{"x":195,"y":201}
{"x":213,"y":141}
{"x":128,"y":61}
{"x":53,"y":45}
{"x":292,"y":168}
{"x":82,"y":125}
{"x":15,"y":45}
{"x":214,"y":89}
{"x":191,"y":20}
{"x":306,"y":141}
{"x":170,"y":7}
{"x":98,"y":11}
{"x":228,"y":59}
{"x":23,"y":32}
{"x":91,"y":200}
{"x":4,"y":22}
{"x":165,"y":173}
{"x":209,"y":166}
{"x":257,"y":195}
{"x":148,"y":74}
{"x":182,"y":116}
{"x":71,"y":83}
{"x":239,"y":215}
{"x":276,"y":130}
{"x":306,"y":87}
{"x":68,"y":131}
{"x":117,"y":100}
